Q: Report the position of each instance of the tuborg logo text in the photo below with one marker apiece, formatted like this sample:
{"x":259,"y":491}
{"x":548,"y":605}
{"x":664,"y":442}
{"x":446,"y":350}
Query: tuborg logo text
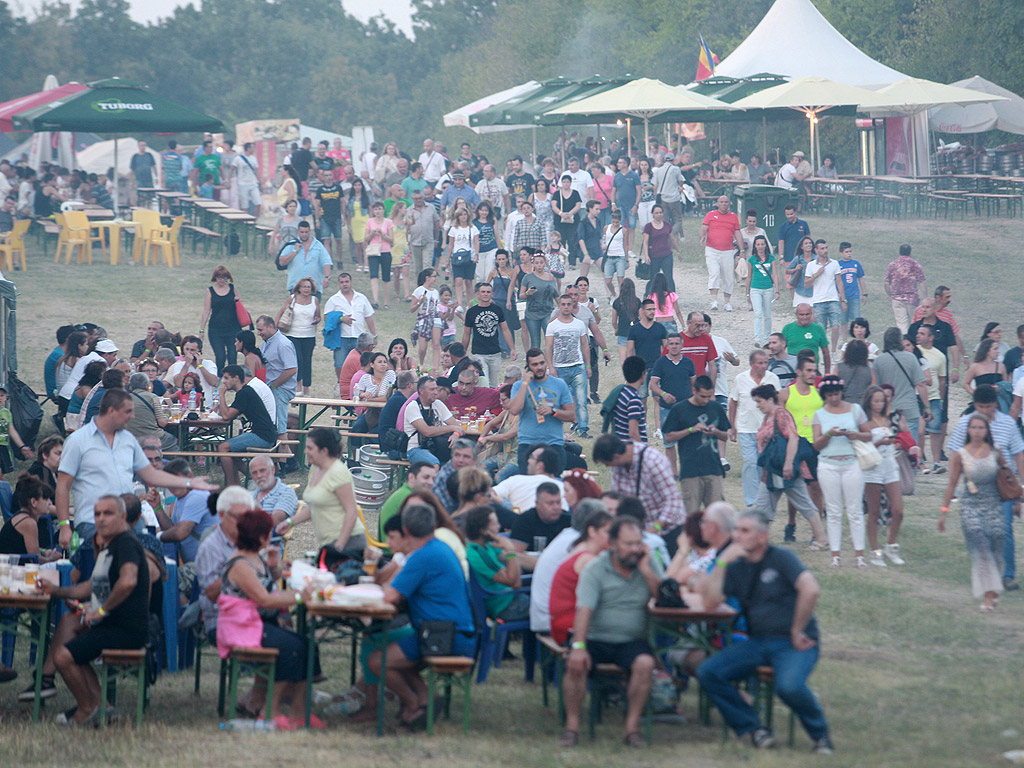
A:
{"x":116,"y":105}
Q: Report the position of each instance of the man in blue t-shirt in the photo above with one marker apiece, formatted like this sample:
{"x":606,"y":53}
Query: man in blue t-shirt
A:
{"x":644,"y":340}
{"x":432,"y":587}
{"x":543,"y":403}
{"x":790,"y":233}
{"x":626,"y":197}
{"x":852,"y":275}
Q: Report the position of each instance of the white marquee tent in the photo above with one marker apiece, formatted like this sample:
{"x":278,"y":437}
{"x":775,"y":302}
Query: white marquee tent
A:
{"x":975,"y":118}
{"x":795,"y":40}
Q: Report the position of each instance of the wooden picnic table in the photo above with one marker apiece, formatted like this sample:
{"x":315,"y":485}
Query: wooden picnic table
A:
{"x":28,"y":616}
{"x":338,"y":622}
{"x":324,"y":404}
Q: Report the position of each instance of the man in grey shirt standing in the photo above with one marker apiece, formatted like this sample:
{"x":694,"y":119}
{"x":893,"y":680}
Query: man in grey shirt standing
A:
{"x":610,"y":626}
{"x":902,"y":371}
{"x":282,"y":367}
{"x":422,"y":223}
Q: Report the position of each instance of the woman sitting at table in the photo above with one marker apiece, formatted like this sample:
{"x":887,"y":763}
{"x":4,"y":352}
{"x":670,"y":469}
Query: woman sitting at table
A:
{"x":330,"y":499}
{"x":21,"y":533}
{"x":499,"y":440}
{"x":562,"y":604}
{"x":374,"y":387}
{"x":252,"y":358}
{"x":493,"y":560}
{"x":248,"y":577}
{"x":695,"y":556}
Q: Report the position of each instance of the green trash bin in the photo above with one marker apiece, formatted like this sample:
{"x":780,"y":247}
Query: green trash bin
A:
{"x":770,"y":203}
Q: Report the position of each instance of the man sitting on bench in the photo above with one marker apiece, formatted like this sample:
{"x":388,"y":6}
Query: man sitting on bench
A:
{"x":115,"y":616}
{"x":248,"y":405}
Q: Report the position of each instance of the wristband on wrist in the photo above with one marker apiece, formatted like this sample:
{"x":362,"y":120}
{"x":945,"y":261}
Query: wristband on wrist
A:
{"x":298,"y":598}
{"x":657,"y":526}
{"x":943,"y":509}
{"x":100,"y":611}
{"x":720,"y":562}
{"x":579,"y":645}
{"x":63,"y":522}
{"x":291,"y":523}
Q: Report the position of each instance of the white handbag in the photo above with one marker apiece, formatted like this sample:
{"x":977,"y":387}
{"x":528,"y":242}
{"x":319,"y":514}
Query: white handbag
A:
{"x":868,"y":456}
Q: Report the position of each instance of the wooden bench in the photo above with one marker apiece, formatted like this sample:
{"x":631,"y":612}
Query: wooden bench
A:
{"x":451,"y":670}
{"x":129,"y":663}
{"x":396,"y":476}
{"x":764,"y":699}
{"x":201,"y":232}
{"x":990,"y":199}
{"x":551,"y":655}
{"x":947,"y":202}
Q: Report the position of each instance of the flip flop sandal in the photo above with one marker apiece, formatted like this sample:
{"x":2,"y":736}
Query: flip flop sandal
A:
{"x":569,"y":738}
{"x":634,"y":740}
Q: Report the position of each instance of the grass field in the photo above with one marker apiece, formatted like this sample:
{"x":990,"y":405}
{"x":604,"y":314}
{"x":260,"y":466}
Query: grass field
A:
{"x":911,"y":673}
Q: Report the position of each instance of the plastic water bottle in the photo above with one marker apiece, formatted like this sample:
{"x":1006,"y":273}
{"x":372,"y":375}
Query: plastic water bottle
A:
{"x":216,"y":399}
{"x":75,"y":542}
{"x":193,"y":400}
{"x":241,"y":725}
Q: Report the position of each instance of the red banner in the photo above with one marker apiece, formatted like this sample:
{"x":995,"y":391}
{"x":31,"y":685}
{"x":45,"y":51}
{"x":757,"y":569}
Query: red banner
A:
{"x":897,"y":146}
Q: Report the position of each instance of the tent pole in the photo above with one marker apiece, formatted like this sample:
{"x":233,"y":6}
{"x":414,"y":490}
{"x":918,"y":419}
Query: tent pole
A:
{"x":647,"y":134}
{"x":116,"y":185}
{"x":629,"y":135}
{"x":535,"y":145}
{"x":764,"y":138}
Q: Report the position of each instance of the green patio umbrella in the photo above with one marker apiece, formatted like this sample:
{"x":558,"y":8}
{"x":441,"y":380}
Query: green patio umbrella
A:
{"x":115,"y":106}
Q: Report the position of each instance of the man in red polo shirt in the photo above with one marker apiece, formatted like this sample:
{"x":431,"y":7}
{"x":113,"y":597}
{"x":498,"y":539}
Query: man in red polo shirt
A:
{"x":721,"y":238}
{"x":698,"y":346}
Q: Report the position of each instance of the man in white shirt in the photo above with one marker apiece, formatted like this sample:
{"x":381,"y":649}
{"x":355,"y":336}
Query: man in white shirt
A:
{"x":356,"y":317}
{"x":511,"y":220}
{"x":261,"y":389}
{"x":746,"y":419}
{"x":829,"y":297}
{"x":493,"y":190}
{"x":520,"y":491}
{"x":426,"y":418}
{"x":668,"y":183}
{"x":726,"y":354}
{"x":568,"y":349}
{"x":553,"y":555}
{"x":434,"y":164}
{"x":193,"y":362}
{"x":246,"y":167}
{"x":582,"y":181}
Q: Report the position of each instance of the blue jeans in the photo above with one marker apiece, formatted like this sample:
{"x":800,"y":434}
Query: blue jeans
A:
{"x":751,"y":472}
{"x":828,"y":314}
{"x":347,"y":345}
{"x":1008,"y":551}
{"x":576,"y":377}
{"x":792,"y":668}
{"x":536,"y":329}
{"x":422,"y":454}
{"x":761,"y":299}
{"x":852,"y":310}
{"x":248,"y":440}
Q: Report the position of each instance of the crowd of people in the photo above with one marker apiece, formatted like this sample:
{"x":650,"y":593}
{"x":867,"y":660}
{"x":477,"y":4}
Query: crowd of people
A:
{"x":500,"y":482}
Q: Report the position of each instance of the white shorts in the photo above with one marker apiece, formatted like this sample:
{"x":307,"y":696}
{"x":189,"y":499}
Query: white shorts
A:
{"x":721,"y":269}
{"x":887,"y":471}
{"x":248,"y":193}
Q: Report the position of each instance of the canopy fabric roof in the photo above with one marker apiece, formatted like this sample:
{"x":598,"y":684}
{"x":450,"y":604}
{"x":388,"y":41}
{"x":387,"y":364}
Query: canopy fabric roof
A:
{"x":462,"y":115}
{"x":916,"y":95}
{"x":642,"y":98}
{"x":33,"y":100}
{"x":808,"y":94}
{"x":795,"y":40}
{"x":732,"y":89}
{"x":114,"y":106}
{"x":1001,"y":115}
{"x":528,"y":109}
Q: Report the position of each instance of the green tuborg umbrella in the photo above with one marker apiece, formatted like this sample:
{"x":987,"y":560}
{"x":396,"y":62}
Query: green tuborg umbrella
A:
{"x":115,"y":106}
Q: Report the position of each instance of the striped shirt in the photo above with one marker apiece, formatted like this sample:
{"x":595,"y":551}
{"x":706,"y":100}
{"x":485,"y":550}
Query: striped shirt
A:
{"x":1005,"y":435}
{"x":629,"y":406}
{"x":943,"y":314}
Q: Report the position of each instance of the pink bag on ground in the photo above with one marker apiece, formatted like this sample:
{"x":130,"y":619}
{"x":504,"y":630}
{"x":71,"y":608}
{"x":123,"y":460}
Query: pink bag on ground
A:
{"x":238,"y":624}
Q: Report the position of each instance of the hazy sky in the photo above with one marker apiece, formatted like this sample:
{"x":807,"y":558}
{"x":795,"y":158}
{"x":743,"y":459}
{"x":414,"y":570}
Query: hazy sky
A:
{"x":151,"y":10}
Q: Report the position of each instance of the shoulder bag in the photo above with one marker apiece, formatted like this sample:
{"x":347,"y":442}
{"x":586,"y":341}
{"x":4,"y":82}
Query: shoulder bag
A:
{"x":604,"y":256}
{"x":287,"y":317}
{"x":868,"y":455}
{"x":242,"y":314}
{"x":657,"y":195}
{"x":1006,"y":481}
{"x":920,"y":405}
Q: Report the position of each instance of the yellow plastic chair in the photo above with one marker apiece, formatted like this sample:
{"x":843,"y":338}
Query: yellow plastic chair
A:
{"x":145,"y":220}
{"x":166,"y":240}
{"x":72,"y":238}
{"x":12,"y":244}
{"x":79,"y":220}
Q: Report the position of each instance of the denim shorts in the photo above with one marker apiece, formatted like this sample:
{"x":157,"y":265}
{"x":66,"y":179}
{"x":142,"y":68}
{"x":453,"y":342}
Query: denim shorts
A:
{"x":615,"y":266}
{"x":330,"y":228}
{"x":828,"y":314}
{"x":248,"y":440}
{"x":465,"y":271}
{"x":622,"y":341}
{"x":852,"y":310}
{"x":628,"y":218}
{"x":934,"y":425}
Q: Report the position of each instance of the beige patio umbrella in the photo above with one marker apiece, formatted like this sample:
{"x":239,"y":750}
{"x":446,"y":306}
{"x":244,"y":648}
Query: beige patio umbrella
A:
{"x":810,"y":95}
{"x":644,"y":99}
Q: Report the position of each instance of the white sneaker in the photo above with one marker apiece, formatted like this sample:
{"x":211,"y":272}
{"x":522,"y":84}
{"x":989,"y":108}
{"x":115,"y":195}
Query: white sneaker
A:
{"x":714,"y":306}
{"x":632,"y":254}
{"x":658,"y":435}
{"x":728,"y":307}
{"x":892,"y":551}
{"x":877,"y":559}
